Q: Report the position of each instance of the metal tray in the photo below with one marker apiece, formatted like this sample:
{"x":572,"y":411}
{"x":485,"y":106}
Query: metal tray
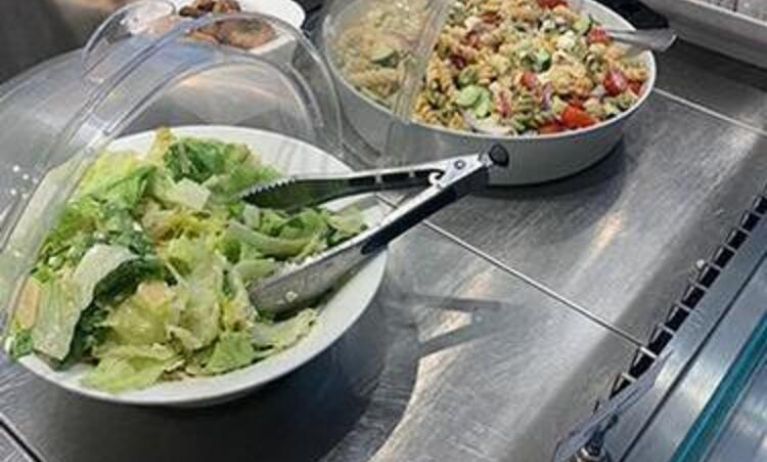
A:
{"x":737,"y":28}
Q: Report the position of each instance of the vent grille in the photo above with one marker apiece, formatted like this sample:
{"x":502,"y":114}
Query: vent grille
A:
{"x":707,"y":274}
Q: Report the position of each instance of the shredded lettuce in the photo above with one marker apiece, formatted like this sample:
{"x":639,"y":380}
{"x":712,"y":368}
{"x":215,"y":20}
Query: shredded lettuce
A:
{"x":232,"y":351}
{"x":63,"y":300}
{"x":144,"y":318}
{"x":131,"y":367}
{"x":146,"y":272}
{"x":281,"y":335}
{"x":189,"y":194}
{"x":267,"y":245}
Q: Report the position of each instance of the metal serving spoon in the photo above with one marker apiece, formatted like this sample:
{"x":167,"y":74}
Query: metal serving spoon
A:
{"x":647,"y":39}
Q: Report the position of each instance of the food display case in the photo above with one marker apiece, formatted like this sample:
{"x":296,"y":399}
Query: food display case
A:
{"x":248,"y":81}
{"x":502,"y":327}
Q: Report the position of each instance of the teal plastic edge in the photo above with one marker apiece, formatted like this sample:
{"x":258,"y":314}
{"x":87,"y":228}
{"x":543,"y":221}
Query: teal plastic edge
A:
{"x":710,"y":423}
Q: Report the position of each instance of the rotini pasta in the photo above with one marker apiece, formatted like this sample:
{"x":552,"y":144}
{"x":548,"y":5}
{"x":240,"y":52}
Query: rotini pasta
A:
{"x":530,"y":66}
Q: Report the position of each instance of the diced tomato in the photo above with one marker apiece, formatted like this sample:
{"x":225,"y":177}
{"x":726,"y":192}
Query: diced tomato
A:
{"x":615,"y":82}
{"x":551,"y":127}
{"x":551,"y":3}
{"x":598,"y":35}
{"x":574,"y":117}
{"x":636,"y":87}
{"x":530,"y":80}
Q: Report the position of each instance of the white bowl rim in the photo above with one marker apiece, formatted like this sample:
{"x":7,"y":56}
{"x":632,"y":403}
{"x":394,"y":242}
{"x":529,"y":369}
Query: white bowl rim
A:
{"x":588,"y":6}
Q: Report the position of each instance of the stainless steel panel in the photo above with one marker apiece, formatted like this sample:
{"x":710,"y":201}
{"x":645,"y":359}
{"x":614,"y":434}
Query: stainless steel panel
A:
{"x":686,"y":399}
{"x":621,"y":238}
{"x":745,"y":436}
{"x":10,"y":450}
{"x":455,"y":361}
{"x":732,"y":88}
{"x":701,"y":351}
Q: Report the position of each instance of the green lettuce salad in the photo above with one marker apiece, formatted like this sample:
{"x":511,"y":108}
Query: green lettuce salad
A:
{"x":145,"y":274}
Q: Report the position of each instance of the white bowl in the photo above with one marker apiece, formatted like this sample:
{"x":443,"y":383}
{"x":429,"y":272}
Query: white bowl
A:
{"x":534,"y":159}
{"x":341,"y":311}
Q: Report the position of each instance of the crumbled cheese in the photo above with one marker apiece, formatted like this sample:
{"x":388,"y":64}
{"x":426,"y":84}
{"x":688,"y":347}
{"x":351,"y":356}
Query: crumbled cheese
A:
{"x":566,"y":41}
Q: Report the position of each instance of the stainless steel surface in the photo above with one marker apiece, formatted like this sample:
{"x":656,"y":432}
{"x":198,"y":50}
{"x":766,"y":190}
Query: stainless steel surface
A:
{"x":475,"y":366}
{"x":457,"y":359}
{"x":620,"y":238}
{"x":724,"y":86}
{"x":684,"y":400}
{"x":302,"y":284}
{"x":745,"y":436}
{"x":646,"y":39}
{"x":724,"y":308}
{"x":10,"y":451}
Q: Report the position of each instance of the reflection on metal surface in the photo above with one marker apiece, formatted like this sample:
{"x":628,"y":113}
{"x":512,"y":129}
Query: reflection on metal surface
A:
{"x":730,"y":88}
{"x":701,"y":360}
{"x":10,"y":451}
{"x":671,"y":183}
{"x":745,"y":436}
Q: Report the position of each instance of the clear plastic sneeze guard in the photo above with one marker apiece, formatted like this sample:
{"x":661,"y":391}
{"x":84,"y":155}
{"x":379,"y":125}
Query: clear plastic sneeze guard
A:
{"x":244,"y":76}
{"x":378,"y":52}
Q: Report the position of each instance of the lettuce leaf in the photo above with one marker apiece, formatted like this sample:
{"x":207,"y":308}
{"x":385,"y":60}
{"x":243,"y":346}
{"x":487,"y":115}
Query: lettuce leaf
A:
{"x":21,"y":344}
{"x":117,"y":178}
{"x":64,"y":299}
{"x":187,"y":254}
{"x":89,"y":333}
{"x":163,"y":140}
{"x":252,"y":270}
{"x":161,"y":224}
{"x":108,"y":169}
{"x":283,"y":334}
{"x":131,"y":367}
{"x":225,"y":187}
{"x":232,"y":351}
{"x":199,"y":159}
{"x":236,"y":311}
{"x":144,"y":318}
{"x":201,"y":316}
{"x":345,"y":224}
{"x":189,"y":194}
{"x":267,"y":245}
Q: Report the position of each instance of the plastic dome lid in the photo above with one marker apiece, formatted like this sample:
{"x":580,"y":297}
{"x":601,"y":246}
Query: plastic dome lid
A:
{"x":147,"y":67}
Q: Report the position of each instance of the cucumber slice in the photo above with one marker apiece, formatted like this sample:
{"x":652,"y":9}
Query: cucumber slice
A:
{"x":469,"y":96}
{"x":582,"y":25}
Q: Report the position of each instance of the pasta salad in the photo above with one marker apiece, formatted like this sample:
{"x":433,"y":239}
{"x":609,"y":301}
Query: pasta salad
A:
{"x":516,"y":67}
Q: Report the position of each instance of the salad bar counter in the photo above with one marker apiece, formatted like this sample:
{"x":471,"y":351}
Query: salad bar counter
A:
{"x":512,"y":325}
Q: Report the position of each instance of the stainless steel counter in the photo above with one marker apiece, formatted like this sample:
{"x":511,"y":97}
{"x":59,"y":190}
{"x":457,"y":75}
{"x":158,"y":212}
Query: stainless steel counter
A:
{"x":10,"y":451}
{"x":494,"y":332}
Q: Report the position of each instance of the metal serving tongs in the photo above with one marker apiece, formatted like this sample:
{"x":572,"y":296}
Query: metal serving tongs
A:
{"x":299,"y":285}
